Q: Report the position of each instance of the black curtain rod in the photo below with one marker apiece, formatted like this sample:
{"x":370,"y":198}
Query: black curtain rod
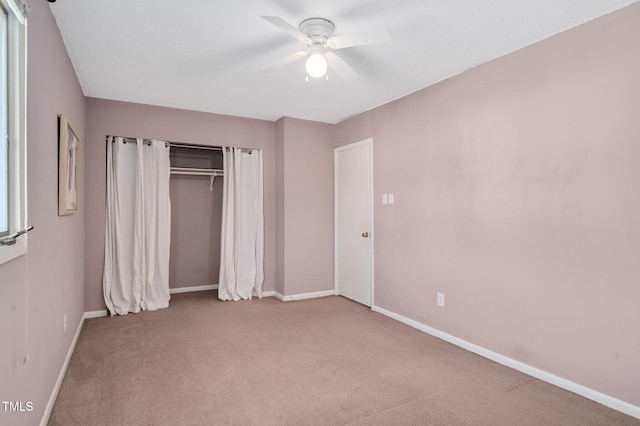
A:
{"x":170,"y":143}
{"x":177,"y":144}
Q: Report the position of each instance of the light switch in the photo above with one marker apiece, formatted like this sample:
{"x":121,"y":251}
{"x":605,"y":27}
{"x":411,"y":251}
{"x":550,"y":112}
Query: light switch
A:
{"x":385,"y":199}
{"x":390,"y":198}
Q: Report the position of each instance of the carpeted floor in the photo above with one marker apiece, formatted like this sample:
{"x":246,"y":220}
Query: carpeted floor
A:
{"x":324,"y":361}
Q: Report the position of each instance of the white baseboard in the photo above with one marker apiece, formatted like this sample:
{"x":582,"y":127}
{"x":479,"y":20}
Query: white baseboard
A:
{"x":63,"y":371}
{"x":195,"y":288}
{"x":95,"y":314}
{"x":611,"y":402}
{"x":209,"y":287}
{"x":304,"y":296}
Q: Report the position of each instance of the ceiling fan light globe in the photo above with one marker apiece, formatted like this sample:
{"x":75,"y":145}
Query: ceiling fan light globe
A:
{"x":316,"y":65}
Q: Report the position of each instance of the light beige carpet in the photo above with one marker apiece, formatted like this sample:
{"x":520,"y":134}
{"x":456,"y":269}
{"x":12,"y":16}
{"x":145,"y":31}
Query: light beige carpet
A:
{"x":324,"y":361}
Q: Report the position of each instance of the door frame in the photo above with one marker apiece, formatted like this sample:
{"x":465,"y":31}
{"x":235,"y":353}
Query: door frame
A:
{"x":336,"y":207}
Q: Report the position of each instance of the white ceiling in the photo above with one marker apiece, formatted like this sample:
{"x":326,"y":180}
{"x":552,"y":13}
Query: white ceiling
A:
{"x":204,"y":55}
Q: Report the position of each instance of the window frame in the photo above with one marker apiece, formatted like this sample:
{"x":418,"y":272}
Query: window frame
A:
{"x":4,"y":107}
{"x":17,"y":12}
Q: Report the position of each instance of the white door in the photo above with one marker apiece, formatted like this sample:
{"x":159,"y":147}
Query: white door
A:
{"x":353,"y":181}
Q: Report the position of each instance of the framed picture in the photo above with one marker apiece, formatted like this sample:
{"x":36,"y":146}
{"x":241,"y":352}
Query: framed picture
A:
{"x":68,"y":159}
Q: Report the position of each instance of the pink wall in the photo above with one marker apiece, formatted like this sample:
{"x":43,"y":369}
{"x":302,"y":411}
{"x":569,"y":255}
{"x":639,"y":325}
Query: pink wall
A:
{"x":106,"y":117}
{"x":516,"y":195}
{"x":37,"y":290}
{"x":280,"y":197}
{"x":196,"y":217}
{"x":305,"y":206}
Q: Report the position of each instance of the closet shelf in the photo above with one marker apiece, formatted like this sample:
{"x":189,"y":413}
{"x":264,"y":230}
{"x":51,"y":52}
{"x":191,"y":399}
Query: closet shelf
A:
{"x":196,"y":172}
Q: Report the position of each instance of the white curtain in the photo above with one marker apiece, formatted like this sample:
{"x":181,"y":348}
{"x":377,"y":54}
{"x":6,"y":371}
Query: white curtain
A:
{"x":136,"y":261}
{"x":242,"y":235}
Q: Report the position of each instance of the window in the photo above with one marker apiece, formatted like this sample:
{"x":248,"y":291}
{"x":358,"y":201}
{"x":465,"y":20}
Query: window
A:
{"x":13,"y":207}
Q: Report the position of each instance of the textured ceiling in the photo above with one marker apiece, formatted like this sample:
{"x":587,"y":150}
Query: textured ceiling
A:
{"x":205,"y":55}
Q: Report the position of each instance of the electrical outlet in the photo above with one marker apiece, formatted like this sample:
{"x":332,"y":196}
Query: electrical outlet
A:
{"x":65,"y":322}
{"x":441,"y":299}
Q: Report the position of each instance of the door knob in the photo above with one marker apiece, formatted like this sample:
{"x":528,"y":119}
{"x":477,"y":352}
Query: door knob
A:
{"x":365,"y":234}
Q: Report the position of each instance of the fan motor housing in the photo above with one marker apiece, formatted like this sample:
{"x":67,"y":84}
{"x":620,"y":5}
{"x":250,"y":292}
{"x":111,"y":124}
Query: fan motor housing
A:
{"x":317,"y":29}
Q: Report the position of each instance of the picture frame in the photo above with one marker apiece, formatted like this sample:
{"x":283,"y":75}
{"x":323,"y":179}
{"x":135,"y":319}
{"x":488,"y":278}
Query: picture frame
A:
{"x":68,"y":168}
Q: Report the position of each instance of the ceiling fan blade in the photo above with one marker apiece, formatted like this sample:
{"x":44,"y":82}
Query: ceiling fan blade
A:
{"x":284,"y":61}
{"x":340,"y":67}
{"x":359,"y":39}
{"x":289,"y":29}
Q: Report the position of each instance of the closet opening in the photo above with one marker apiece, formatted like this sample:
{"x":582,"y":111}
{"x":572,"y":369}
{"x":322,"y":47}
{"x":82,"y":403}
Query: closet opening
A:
{"x":188,"y":230}
{"x":196,"y":216}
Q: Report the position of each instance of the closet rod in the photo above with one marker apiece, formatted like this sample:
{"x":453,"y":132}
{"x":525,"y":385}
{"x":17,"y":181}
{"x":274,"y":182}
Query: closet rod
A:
{"x":179,"y":145}
{"x":210,"y":174}
{"x":212,"y":148}
{"x":195,"y":171}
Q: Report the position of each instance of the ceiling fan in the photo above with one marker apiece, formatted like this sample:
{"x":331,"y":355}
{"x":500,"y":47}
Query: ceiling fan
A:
{"x":317,"y":34}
